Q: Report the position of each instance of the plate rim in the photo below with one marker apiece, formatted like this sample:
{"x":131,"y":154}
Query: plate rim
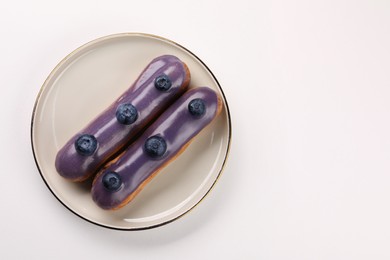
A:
{"x":104,"y":38}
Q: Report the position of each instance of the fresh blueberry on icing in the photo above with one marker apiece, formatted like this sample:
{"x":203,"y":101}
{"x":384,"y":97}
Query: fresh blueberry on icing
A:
{"x":197,"y":107}
{"x":111,"y":181}
{"x":86,"y":144}
{"x":126,"y":114}
{"x":162,"y":82}
{"x":155,"y":146}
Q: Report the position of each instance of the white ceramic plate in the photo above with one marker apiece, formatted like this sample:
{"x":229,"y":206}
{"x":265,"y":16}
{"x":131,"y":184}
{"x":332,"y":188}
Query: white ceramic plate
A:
{"x":93,"y":76}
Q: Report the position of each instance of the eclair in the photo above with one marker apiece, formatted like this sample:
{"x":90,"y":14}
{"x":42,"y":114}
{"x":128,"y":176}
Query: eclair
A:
{"x":164,"y":80}
{"x":120,"y":181}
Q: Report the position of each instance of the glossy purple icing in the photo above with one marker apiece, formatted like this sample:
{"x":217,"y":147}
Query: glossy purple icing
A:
{"x":113,"y":136}
{"x":177,"y":126}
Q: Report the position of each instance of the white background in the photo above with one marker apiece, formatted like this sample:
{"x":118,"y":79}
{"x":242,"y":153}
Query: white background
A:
{"x":308,"y":84}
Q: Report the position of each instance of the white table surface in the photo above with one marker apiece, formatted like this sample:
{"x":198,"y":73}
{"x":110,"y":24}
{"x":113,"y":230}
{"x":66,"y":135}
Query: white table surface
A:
{"x":308,"y":84}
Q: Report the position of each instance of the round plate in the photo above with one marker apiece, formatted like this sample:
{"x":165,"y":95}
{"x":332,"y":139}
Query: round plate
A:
{"x":92,"y":77}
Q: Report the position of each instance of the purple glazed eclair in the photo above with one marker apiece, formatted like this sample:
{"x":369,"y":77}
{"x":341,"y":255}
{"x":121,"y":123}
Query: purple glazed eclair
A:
{"x":161,"y":83}
{"x":121,"y":180}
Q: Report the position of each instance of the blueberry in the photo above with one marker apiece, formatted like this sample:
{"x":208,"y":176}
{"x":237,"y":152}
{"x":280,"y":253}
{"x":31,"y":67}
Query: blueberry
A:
{"x":86,"y":144}
{"x":197,"y":107}
{"x":112,"y":181}
{"x":162,"y":82}
{"x":126,"y":114}
{"x":155,"y":146}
